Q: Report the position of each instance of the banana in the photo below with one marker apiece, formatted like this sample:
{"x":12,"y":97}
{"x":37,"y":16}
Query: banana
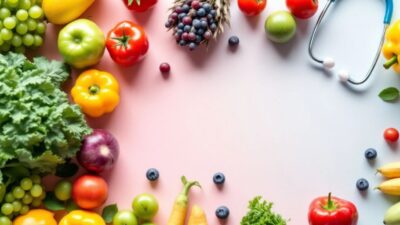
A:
{"x":390,"y":187}
{"x":390,"y":170}
{"x":392,"y":215}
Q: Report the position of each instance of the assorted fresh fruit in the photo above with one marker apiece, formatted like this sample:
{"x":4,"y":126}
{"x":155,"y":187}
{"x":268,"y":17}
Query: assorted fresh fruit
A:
{"x":196,"y":22}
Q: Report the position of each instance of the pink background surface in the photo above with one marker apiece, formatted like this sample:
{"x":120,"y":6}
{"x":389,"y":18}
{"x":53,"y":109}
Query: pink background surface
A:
{"x":272,"y":123}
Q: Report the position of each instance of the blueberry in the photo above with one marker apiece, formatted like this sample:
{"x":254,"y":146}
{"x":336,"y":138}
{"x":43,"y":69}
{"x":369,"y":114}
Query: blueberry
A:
{"x":201,"y":12}
{"x":200,"y":31}
{"x":207,"y":7}
{"x":181,"y":25}
{"x":152,"y":174}
{"x":179,"y":32}
{"x":209,"y":16}
{"x":196,"y":23}
{"x":370,"y":154}
{"x":222,"y":212}
{"x":233,"y":41}
{"x":219,"y":178}
{"x":181,"y":15}
{"x":362,"y":184}
{"x":187,"y":28}
{"x":198,"y":39}
{"x":185,"y":8}
{"x":182,"y":42}
{"x":204,"y":24}
{"x":192,"y":46}
{"x":213,"y":12}
{"x":213,"y":27}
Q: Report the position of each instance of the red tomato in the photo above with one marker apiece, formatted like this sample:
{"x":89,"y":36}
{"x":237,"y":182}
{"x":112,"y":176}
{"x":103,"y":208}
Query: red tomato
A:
{"x":302,"y":9}
{"x":127,"y":43}
{"x":89,"y":191}
{"x":252,"y":7}
{"x":391,"y":134}
{"x":139,"y":5}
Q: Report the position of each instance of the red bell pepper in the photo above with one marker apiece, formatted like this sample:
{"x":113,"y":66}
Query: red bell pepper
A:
{"x":127,"y":43}
{"x":139,"y":5}
{"x":332,"y":211}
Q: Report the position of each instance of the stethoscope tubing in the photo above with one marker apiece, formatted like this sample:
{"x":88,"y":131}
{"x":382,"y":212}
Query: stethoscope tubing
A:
{"x":387,"y":20}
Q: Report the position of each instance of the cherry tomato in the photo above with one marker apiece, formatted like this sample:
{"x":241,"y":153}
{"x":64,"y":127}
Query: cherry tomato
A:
{"x":139,"y":5}
{"x":302,"y":9}
{"x":89,"y":191}
{"x":391,"y":134}
{"x":252,"y":7}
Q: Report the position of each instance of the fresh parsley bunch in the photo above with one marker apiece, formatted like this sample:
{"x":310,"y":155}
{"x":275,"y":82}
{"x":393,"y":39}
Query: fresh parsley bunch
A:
{"x":260,"y":213}
{"x":39,"y":128}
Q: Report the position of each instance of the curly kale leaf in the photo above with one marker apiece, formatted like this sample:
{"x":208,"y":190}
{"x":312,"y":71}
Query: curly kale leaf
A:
{"x":39,"y":128}
{"x":260,"y":213}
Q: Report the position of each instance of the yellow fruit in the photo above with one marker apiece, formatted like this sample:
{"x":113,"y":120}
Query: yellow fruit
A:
{"x":390,"y":170}
{"x":197,"y":216}
{"x":390,"y":187}
{"x":62,"y":12}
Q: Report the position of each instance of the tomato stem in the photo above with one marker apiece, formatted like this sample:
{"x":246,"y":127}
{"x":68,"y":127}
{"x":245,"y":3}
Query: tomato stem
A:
{"x":124,"y":39}
{"x":330,"y":206}
{"x":390,"y":62}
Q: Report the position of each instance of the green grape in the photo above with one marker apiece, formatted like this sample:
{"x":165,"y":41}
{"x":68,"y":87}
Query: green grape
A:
{"x":4,"y":13}
{"x":24,"y":209}
{"x":5,"y":220}
{"x":9,"y":196}
{"x":7,"y":209}
{"x":21,"y":28}
{"x":11,"y":3}
{"x":10,"y":22}
{"x":26,"y":183}
{"x":36,"y":202}
{"x":16,"y":41}
{"x":41,"y":28}
{"x":36,"y":179}
{"x":18,"y":192}
{"x":63,"y":190}
{"x":38,"y":41}
{"x":35,"y":12}
{"x":36,"y":190}
{"x":27,"y":199}
{"x":32,"y":24}
{"x":29,"y":40}
{"x":17,"y":206}
{"x":20,"y":49}
{"x":22,"y":15}
{"x":24,"y":4}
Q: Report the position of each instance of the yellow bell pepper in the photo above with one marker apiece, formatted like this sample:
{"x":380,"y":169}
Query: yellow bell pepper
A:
{"x":36,"y":217}
{"x":391,"y":48}
{"x":96,"y":92}
{"x":62,"y":12}
{"x":81,"y":217}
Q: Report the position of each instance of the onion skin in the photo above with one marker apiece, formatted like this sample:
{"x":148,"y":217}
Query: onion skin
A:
{"x":99,"y":151}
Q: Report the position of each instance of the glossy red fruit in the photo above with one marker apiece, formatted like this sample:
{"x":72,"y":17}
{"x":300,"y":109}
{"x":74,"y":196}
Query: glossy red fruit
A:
{"x":139,"y":5}
{"x":302,"y":9}
{"x":391,"y":135}
{"x":252,"y":7}
{"x":165,"y":68}
{"x":89,"y":191}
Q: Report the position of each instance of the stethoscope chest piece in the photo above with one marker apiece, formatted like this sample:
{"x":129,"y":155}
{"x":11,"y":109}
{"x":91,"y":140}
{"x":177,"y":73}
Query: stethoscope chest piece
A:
{"x":329,"y":63}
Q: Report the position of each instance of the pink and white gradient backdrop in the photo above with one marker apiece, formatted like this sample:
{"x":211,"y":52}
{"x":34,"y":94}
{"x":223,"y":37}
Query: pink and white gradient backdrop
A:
{"x":263,"y":115}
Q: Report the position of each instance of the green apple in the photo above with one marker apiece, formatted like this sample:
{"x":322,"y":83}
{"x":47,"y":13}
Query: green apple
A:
{"x":145,"y":206}
{"x":81,"y":43}
{"x":125,"y":217}
{"x":280,"y":27}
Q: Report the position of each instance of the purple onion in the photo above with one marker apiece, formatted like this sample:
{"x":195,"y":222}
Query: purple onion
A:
{"x":99,"y":151}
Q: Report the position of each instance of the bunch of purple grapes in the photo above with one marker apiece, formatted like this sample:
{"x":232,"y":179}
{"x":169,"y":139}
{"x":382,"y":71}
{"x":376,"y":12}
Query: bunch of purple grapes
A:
{"x":194,"y":22}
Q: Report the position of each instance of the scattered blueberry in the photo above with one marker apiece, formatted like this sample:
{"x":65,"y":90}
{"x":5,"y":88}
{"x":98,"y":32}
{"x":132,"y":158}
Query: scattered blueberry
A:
{"x":370,"y":154}
{"x":233,"y":41}
{"x":219,"y":178}
{"x":222,"y":212}
{"x":165,"y":68}
{"x":362,"y":184}
{"x":152,"y":174}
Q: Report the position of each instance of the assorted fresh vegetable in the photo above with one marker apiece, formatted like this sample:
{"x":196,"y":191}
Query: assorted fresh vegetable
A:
{"x":81,"y":43}
{"x":332,"y":211}
{"x":96,"y":92}
{"x":127,"y":43}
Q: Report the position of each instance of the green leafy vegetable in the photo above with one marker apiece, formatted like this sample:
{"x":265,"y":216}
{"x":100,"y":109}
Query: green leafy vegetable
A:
{"x":67,"y":170}
{"x":39,"y":128}
{"x":389,"y":94}
{"x":260,"y":213}
{"x":109,"y":212}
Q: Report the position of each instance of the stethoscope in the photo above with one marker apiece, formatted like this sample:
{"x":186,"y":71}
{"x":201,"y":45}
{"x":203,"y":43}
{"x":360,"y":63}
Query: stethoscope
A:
{"x":329,"y":63}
